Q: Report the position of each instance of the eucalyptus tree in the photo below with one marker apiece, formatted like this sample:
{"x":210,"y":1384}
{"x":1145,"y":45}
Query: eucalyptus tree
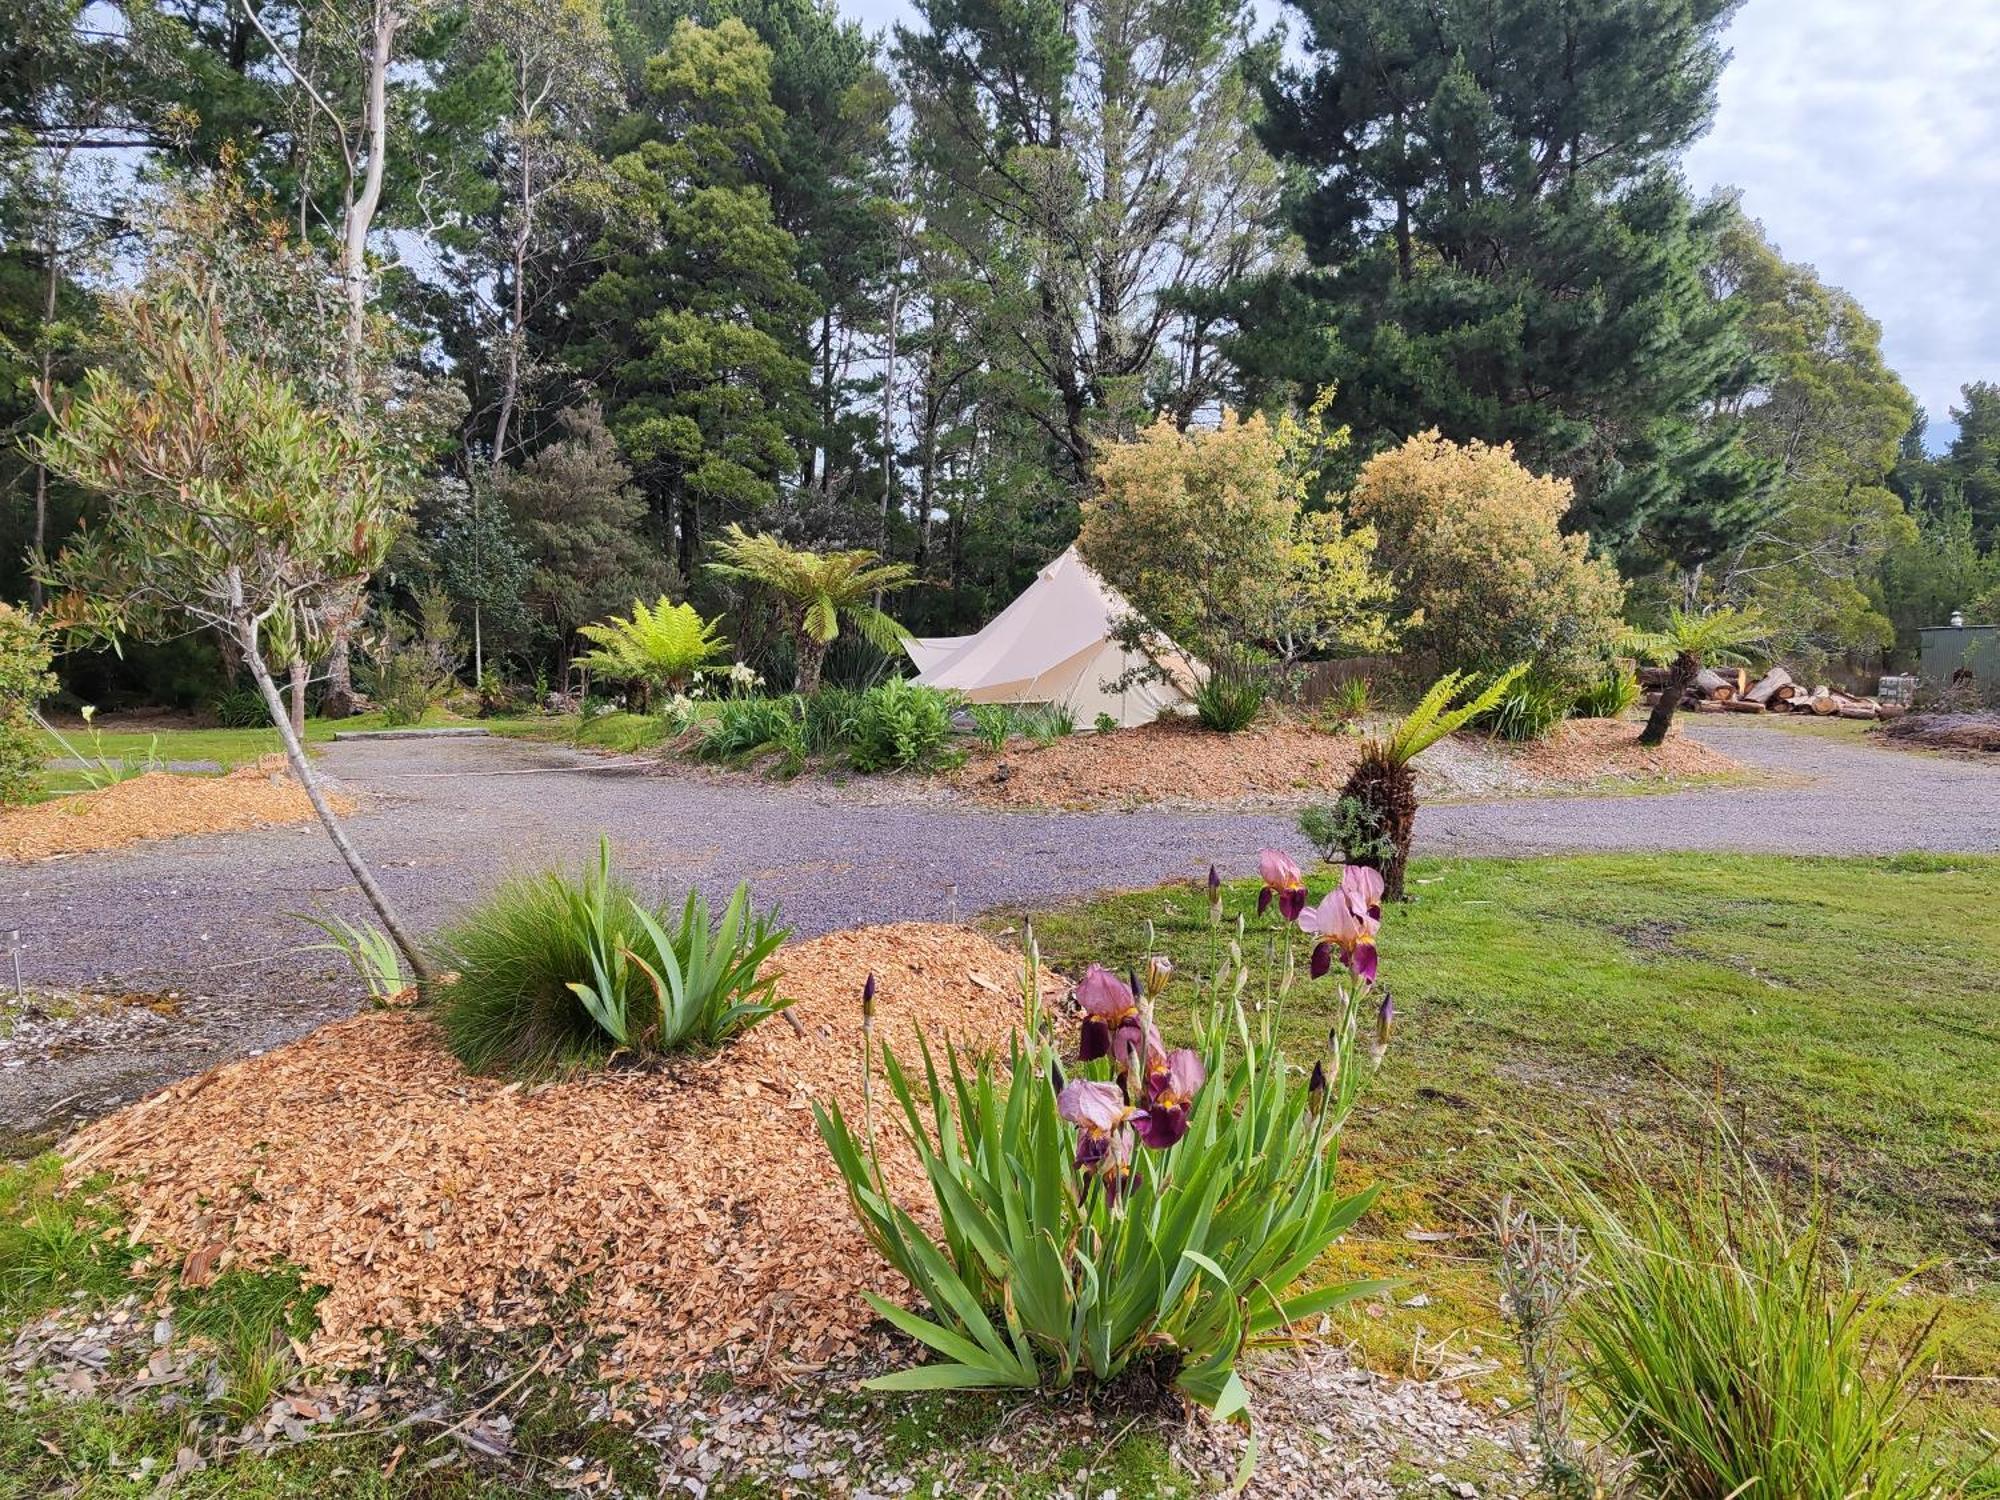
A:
{"x":1108,"y":182}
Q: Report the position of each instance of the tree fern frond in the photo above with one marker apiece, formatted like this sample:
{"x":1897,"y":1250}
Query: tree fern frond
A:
{"x":1432,"y":719}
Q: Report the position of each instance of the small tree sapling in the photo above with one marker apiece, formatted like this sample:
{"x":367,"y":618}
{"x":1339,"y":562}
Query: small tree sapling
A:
{"x":232,"y":504}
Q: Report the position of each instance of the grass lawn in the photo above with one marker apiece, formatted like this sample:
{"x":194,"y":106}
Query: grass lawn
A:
{"x":1843,"y":1014}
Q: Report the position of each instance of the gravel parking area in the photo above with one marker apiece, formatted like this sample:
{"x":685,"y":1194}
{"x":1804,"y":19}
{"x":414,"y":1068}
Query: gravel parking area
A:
{"x":207,"y":918}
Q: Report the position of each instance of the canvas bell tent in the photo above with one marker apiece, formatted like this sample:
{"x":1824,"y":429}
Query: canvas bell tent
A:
{"x":1053,"y":645}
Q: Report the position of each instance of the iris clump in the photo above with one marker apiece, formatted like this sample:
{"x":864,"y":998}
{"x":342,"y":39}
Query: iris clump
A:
{"x":557,"y":972}
{"x":1107,"y":1197}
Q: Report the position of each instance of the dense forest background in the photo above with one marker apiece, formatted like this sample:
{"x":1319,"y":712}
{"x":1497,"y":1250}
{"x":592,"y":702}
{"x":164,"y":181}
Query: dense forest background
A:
{"x":609,"y":275}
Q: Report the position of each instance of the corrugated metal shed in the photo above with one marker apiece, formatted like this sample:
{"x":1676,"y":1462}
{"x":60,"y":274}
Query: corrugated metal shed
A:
{"x":1945,"y":651}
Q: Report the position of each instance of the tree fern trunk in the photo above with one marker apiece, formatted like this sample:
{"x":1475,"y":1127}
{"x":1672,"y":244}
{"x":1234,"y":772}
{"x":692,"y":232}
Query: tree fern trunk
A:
{"x":1686,"y":668}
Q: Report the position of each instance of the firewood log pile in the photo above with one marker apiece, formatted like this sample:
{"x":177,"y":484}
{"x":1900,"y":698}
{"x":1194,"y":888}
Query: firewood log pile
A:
{"x":1732,"y":690}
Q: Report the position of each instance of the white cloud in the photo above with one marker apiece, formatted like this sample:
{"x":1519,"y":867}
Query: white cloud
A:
{"x":1865,"y":134}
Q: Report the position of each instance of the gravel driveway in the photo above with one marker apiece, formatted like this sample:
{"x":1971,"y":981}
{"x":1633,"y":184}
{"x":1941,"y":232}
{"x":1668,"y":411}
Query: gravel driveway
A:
{"x":206,"y":918}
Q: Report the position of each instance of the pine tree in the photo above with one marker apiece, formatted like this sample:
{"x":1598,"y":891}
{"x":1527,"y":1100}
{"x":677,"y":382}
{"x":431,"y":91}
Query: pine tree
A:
{"x":1503,"y":249}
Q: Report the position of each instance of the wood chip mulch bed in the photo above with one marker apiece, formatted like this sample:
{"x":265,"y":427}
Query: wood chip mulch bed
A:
{"x":158,"y":805}
{"x":692,"y":1210}
{"x":1180,"y":762}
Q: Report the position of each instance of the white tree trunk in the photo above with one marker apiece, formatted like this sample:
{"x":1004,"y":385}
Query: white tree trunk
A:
{"x":295,"y":755}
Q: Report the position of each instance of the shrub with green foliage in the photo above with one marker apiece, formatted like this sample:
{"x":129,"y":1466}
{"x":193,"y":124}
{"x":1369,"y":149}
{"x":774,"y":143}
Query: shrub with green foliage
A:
{"x":1346,"y":832}
{"x":25,"y":680}
{"x":239,"y":708}
{"x":556,"y":972}
{"x":654,"y":649}
{"x":742,"y":727}
{"x":992,"y":724}
{"x":411,"y":666}
{"x":1730,"y":1348}
{"x":1610,"y":696}
{"x":900,"y":726}
{"x":1139,"y":1207}
{"x":1105,"y":724}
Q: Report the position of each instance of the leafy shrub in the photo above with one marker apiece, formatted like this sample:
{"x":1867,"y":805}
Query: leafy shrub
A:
{"x":1475,"y":543}
{"x":1730,"y":1348}
{"x":410,"y":667}
{"x":657,"y":648}
{"x":1347,"y":831}
{"x":239,"y":708}
{"x":1230,"y":697}
{"x":829,"y":717}
{"x":993,"y":724}
{"x":900,"y":725}
{"x":556,"y":971}
{"x":1083,"y":1233}
{"x":1531,"y":707}
{"x":24,"y":681}
{"x":1609,"y":696}
{"x":1105,"y":724}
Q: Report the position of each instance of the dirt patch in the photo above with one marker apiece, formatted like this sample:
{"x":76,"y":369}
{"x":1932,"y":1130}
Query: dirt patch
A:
{"x":1973,"y":732}
{"x":158,"y":805}
{"x":691,"y":1211}
{"x":1180,"y":763}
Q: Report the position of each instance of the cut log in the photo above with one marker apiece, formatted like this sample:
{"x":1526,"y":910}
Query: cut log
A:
{"x":1709,"y":683}
{"x":1823,"y":702}
{"x":1742,"y":706}
{"x":1767,"y":686}
{"x":1856,"y":711}
{"x":1655,"y":677}
{"x":1892,"y":710}
{"x":1706,"y":706}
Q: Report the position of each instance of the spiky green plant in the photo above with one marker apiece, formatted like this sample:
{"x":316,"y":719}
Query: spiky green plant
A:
{"x":1729,"y":1347}
{"x":369,"y":951}
{"x":1382,"y":781}
{"x":824,"y":593}
{"x":657,"y":648}
{"x":1690,"y":642}
{"x":554,"y":972}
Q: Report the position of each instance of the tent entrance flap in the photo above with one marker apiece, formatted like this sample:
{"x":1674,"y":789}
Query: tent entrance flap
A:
{"x":1053,"y":645}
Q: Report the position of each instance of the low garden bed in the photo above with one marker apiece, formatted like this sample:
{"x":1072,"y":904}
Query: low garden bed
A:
{"x":157,"y":805}
{"x":691,"y":1207}
{"x":1285,"y":764}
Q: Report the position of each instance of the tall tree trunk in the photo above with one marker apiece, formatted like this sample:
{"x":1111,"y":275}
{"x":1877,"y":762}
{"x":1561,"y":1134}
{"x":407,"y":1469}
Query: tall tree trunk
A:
{"x":39,"y":546}
{"x":510,"y":379}
{"x":812,"y":662}
{"x":302,"y":769}
{"x":298,"y":707}
{"x":888,"y":427}
{"x":345,"y":608}
{"x":1686,"y":667}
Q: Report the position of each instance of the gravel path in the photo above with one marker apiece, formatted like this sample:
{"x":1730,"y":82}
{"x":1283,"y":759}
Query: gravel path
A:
{"x":442,"y":819}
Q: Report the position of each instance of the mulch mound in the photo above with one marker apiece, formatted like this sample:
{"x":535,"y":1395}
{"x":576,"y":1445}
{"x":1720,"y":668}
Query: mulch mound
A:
{"x":693,"y":1211}
{"x":158,"y":805}
{"x":1979,"y":732}
{"x":1179,"y":761}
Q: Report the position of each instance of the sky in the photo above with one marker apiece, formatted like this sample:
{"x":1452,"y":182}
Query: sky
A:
{"x":1865,"y":136}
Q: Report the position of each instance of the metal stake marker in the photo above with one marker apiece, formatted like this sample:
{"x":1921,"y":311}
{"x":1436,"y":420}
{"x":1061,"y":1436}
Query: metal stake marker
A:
{"x":14,"y":952}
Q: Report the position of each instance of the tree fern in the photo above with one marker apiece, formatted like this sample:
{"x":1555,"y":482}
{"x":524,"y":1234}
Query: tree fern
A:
{"x":657,"y":647}
{"x":1433,"y":718}
{"x":827,"y":591}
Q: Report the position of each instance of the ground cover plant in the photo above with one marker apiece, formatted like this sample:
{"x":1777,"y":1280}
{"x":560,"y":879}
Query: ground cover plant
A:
{"x":1536,"y":997}
{"x":1130,"y":1209}
{"x":25,"y":680}
{"x":557,"y":971}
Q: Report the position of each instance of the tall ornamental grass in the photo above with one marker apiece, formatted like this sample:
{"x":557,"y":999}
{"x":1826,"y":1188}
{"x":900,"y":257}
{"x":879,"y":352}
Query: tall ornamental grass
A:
{"x":1730,"y":1349}
{"x":557,"y":972}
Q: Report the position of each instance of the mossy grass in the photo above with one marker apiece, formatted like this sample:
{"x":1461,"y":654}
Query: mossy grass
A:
{"x":1839,"y":1011}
